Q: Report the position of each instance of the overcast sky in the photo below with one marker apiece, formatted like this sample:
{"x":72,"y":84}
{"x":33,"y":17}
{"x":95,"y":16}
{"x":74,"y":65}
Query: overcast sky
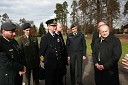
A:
{"x":36,"y":10}
{"x":32,"y":10}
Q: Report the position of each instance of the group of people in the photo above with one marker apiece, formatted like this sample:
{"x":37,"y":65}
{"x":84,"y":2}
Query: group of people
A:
{"x":19,"y":59}
{"x":56,"y":53}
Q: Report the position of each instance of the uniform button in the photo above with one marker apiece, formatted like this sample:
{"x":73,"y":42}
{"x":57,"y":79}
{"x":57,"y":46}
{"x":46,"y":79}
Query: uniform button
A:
{"x":12,"y":56}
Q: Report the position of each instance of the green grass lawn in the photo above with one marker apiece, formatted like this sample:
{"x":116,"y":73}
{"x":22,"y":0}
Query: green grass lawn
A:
{"x":124,"y":44}
{"x":89,"y":51}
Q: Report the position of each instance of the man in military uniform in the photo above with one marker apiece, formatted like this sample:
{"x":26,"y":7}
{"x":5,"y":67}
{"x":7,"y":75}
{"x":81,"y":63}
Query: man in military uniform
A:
{"x":63,"y":51}
{"x":50,"y":49}
{"x":11,"y":68}
{"x":76,"y":46}
{"x":29,"y":47}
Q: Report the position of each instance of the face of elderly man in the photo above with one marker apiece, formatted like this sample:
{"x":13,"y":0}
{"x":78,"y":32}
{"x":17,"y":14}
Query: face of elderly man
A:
{"x":104,"y":31}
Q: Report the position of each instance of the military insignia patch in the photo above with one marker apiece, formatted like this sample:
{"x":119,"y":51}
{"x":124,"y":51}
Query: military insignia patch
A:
{"x":58,"y":40}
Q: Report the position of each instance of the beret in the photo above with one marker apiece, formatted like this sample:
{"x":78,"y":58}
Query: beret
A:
{"x":51,"y":22}
{"x":8,"y":26}
{"x":26,"y":26}
{"x":74,"y":25}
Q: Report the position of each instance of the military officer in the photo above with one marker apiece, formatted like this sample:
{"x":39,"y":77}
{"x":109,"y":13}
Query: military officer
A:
{"x":11,"y":67}
{"x":76,"y":47}
{"x":50,"y":49}
{"x":29,"y":47}
{"x":63,"y":50}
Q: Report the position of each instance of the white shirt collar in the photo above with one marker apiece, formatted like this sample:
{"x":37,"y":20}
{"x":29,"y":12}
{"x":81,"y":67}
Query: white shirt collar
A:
{"x":52,"y":33}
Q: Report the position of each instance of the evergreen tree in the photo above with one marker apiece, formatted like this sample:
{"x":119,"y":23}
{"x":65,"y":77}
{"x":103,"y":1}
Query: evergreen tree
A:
{"x":41,"y":29}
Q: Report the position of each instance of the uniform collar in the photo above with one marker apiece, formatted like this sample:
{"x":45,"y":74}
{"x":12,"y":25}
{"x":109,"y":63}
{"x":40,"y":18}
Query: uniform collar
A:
{"x":6,"y":39}
{"x":52,"y":33}
{"x":27,"y":36}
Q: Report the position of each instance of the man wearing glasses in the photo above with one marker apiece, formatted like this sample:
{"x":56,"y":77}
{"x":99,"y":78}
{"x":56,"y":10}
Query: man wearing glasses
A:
{"x":51,"y":50}
{"x":29,"y":47}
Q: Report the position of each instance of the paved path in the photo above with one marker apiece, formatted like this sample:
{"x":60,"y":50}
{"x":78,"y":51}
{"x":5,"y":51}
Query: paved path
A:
{"x":88,"y":74}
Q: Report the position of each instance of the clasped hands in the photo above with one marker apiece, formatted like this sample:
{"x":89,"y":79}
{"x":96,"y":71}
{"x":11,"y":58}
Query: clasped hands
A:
{"x":100,"y":67}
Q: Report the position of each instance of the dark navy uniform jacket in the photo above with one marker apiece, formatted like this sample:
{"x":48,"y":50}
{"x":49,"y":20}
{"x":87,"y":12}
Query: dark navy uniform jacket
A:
{"x":51,"y":49}
{"x":10,"y":62}
{"x":76,"y":44}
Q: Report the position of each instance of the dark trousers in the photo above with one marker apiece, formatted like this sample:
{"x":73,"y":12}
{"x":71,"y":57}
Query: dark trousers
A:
{"x":35,"y":76}
{"x":53,"y":75}
{"x":76,"y":59}
{"x":18,"y":80}
{"x":106,"y":77}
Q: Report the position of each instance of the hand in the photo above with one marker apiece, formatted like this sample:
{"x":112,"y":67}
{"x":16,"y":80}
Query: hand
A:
{"x":68,"y":58}
{"x":22,"y":72}
{"x":100,"y":67}
{"x":84,"y":57}
{"x":41,"y":58}
{"x":125,"y":62}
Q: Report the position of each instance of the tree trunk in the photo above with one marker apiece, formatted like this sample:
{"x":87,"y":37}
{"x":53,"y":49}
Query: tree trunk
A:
{"x":99,"y":7}
{"x":109,"y":17}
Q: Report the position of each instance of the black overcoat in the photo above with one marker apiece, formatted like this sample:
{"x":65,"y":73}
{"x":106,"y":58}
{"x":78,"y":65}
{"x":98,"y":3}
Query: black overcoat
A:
{"x":51,"y":50}
{"x":10,"y":62}
{"x":107,"y":53}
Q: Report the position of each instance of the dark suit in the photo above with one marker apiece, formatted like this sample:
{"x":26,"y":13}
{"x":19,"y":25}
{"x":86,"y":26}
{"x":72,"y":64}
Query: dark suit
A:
{"x":10,"y":62}
{"x":29,"y":47}
{"x":107,"y":53}
{"x":51,"y":50}
{"x":76,"y":47}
